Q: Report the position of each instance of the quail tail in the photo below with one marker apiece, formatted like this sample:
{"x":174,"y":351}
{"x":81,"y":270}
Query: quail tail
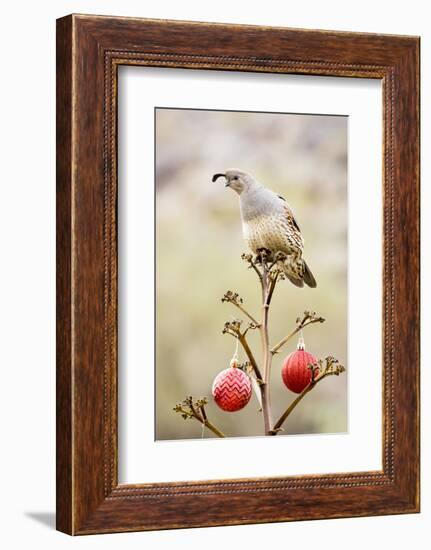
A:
{"x":289,"y":274}
{"x":308,"y":276}
{"x":296,"y":279}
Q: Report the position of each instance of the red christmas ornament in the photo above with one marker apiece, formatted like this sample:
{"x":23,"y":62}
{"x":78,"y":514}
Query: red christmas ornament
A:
{"x":295,"y":372}
{"x":231,"y":389}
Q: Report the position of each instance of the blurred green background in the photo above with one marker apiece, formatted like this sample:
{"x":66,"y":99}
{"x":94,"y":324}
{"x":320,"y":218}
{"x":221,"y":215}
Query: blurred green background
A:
{"x":198,"y":248}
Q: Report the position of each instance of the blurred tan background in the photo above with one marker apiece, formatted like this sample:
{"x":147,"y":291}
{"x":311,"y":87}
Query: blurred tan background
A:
{"x":198,"y":249}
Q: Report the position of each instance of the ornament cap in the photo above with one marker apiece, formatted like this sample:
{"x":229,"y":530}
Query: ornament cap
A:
{"x":301,"y":344}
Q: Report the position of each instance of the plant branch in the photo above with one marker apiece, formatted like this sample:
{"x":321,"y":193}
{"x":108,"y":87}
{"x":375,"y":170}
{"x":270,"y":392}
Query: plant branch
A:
{"x":266,"y":284}
{"x":318,"y":373}
{"x":307,"y":319}
{"x":234,"y":329}
{"x":213,"y":428}
{"x":237,"y":301}
{"x":252,"y":264}
{"x":206,"y":422}
{"x":196,"y":409}
{"x":251,"y":358}
{"x":271,"y":289}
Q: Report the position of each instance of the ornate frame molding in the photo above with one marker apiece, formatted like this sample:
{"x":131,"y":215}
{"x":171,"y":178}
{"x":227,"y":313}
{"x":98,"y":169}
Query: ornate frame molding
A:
{"x":90,"y":49}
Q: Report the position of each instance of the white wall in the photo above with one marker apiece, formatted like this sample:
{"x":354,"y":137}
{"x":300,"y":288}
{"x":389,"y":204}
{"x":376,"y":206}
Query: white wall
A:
{"x":27,"y":117}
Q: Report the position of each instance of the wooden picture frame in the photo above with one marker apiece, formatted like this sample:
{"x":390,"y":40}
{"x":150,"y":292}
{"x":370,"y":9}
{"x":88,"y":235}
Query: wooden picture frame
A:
{"x":89,"y":51}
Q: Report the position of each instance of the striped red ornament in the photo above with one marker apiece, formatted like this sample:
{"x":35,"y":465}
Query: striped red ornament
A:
{"x":295,"y":372}
{"x":231,"y":389}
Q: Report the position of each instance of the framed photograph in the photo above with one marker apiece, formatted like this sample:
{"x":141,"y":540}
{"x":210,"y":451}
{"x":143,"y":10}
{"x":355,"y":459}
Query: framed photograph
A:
{"x":237,"y":274}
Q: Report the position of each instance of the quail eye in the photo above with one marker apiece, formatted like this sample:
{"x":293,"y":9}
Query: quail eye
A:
{"x":236,"y":178}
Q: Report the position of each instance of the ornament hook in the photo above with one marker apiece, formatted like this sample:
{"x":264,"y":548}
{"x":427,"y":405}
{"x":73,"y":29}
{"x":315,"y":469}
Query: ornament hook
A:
{"x":235,"y":358}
